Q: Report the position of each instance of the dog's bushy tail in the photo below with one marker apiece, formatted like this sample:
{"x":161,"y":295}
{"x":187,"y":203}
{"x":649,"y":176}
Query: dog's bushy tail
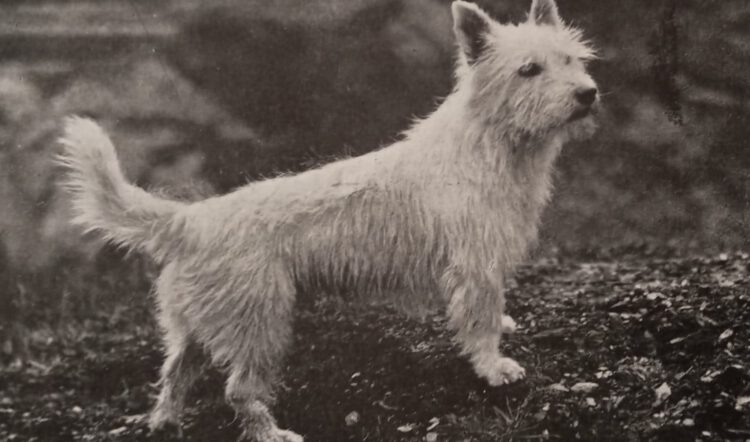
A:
{"x":103,"y":200}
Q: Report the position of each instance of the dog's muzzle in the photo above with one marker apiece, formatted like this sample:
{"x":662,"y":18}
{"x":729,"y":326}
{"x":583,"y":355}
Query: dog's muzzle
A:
{"x":581,"y":112}
{"x":586,"y":98}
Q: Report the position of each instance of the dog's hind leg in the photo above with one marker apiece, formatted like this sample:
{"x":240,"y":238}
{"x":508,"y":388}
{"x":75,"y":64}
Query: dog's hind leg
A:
{"x":248,"y":393}
{"x":258,"y":334}
{"x":180,"y":369}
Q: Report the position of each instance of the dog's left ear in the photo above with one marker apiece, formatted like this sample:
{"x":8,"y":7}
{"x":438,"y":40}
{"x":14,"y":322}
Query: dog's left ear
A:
{"x":472,"y":27}
{"x":544,"y":12}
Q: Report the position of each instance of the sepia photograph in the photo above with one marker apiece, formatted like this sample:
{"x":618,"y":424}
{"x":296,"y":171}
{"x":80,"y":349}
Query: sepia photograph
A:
{"x":374,"y":220}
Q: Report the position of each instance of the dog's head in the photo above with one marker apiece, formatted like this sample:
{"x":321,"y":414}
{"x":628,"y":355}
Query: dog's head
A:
{"x":530,"y":77}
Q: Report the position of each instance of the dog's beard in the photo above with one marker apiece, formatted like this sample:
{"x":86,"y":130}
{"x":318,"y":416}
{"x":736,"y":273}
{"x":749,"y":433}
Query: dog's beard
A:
{"x":582,"y":128}
{"x":575,"y":129}
{"x":581,"y":123}
{"x":581,"y":112}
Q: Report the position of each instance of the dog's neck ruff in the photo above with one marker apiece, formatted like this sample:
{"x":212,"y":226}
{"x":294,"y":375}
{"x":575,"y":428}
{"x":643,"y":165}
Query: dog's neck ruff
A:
{"x":490,"y":178}
{"x":460,"y":137}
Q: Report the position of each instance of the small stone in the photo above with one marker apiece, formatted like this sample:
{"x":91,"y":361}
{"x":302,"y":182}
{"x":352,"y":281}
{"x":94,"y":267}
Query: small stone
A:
{"x":431,"y":437}
{"x":662,"y":393}
{"x":351,"y":419}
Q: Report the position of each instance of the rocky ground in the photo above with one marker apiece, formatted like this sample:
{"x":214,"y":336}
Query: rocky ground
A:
{"x":634,"y":349}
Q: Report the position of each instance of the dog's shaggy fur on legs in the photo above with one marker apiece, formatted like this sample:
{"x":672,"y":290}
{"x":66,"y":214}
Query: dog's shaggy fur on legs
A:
{"x":438,"y":219}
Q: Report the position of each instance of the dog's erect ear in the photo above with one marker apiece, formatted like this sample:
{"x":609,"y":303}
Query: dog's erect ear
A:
{"x":471,"y":26}
{"x":544,"y":12}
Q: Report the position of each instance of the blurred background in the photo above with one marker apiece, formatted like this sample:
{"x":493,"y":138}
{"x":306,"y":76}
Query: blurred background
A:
{"x":204,"y":96}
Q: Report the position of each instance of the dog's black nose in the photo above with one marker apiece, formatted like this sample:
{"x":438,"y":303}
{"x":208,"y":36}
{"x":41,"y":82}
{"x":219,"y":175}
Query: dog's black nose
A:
{"x":586,"y":96}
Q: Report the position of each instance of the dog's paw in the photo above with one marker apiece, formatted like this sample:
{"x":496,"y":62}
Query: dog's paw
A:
{"x":288,"y":436}
{"x":164,"y":423}
{"x":504,"y":371}
{"x":166,"y":430}
{"x":275,"y":435}
{"x":508,"y":325}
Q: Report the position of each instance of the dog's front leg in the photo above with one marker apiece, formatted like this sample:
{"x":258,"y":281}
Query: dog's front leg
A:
{"x":476,"y":313}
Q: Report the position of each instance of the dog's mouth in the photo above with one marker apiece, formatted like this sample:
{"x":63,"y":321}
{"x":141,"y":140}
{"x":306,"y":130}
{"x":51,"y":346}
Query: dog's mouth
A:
{"x":581,"y":112}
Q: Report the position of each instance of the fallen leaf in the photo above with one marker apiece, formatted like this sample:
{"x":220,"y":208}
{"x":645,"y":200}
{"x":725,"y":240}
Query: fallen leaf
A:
{"x":385,"y":406}
{"x":118,"y":431}
{"x":710,"y":376}
{"x":558,"y":387}
{"x":135,"y":418}
{"x":741,"y":403}
{"x":726,"y":334}
{"x":584,"y":387}
{"x":434,"y":422}
{"x":405,"y":428}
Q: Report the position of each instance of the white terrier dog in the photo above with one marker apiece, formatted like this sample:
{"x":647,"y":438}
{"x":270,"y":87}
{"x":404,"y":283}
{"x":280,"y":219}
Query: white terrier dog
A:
{"x":438,"y":219}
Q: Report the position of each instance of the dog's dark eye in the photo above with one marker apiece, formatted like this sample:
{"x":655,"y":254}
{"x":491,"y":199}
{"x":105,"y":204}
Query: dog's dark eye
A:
{"x":530,"y":69}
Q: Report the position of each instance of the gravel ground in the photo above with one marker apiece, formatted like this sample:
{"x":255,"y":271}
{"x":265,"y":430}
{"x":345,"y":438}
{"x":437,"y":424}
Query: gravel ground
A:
{"x":633,"y":349}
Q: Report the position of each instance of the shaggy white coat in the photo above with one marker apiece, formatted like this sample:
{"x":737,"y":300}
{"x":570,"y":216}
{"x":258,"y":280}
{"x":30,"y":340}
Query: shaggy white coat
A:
{"x":438,"y":219}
